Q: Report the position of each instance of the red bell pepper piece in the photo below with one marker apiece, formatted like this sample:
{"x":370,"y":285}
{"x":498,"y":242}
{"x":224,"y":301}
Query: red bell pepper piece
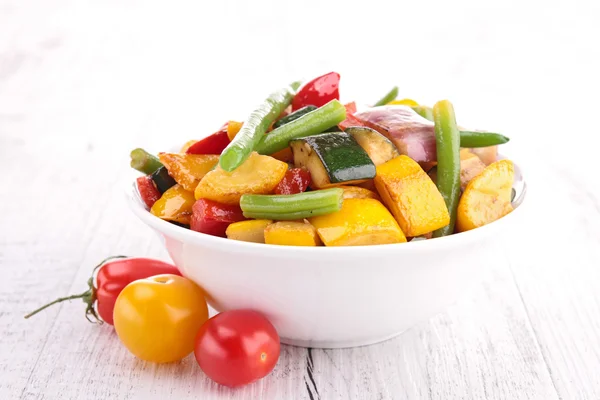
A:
{"x":148,"y":190}
{"x":350,"y":108}
{"x":318,"y":92}
{"x":213,"y":144}
{"x":114,"y":273}
{"x":350,"y":120}
{"x":213,"y":218}
{"x":295,"y":180}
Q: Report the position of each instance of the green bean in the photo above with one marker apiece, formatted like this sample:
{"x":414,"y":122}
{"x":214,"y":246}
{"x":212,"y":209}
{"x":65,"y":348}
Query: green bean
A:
{"x":481,"y":139}
{"x":390,"y":96}
{"x":447,"y":138}
{"x":467,"y":138}
{"x":313,"y":123}
{"x":255,"y":126}
{"x":144,"y":161}
{"x":292,"y":206}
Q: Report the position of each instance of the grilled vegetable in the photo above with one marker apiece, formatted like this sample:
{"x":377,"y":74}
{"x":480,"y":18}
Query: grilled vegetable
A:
{"x":318,"y":92}
{"x":213,"y":218}
{"x":292,"y":206}
{"x":292,"y":233}
{"x":148,"y":191}
{"x":447,"y":139}
{"x":213,"y":144}
{"x":284,"y":155}
{"x":357,"y":192}
{"x":163,"y":180}
{"x":481,"y":139}
{"x":360,"y":222}
{"x":233,"y":128}
{"x":332,"y":158}
{"x":404,"y":102}
{"x":258,"y":174}
{"x":187,"y":145}
{"x":411,"y":196}
{"x":144,"y":162}
{"x":470,"y":167}
{"x":309,"y":124}
{"x":378,"y":147}
{"x":294,"y":116}
{"x":350,"y":119}
{"x":254,"y":128}
{"x":389,"y":96}
{"x":412,"y":134}
{"x":296,"y":180}
{"x":174,"y":205}
{"x":487,"y":197}
{"x":486,"y":154}
{"x":424,"y":111}
{"x":188,"y":169}
{"x":252,"y":230}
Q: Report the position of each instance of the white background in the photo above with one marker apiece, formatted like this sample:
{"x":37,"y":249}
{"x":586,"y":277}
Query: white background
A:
{"x":83,"y":82}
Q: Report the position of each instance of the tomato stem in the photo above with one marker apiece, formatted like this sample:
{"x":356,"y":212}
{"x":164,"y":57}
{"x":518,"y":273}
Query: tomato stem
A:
{"x":88,"y":297}
{"x":83,"y":295}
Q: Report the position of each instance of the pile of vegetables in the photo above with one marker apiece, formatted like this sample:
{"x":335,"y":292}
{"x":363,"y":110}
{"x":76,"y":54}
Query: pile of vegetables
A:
{"x":306,"y":170}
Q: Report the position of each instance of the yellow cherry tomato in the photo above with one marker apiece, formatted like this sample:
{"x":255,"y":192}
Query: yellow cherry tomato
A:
{"x":157,"y":318}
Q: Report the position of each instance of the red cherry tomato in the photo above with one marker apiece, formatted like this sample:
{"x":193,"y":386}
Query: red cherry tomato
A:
{"x":114,"y":273}
{"x":295,"y":180}
{"x":318,"y":92}
{"x":237,"y":347}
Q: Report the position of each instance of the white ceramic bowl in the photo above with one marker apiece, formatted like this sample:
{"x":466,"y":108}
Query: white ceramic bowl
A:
{"x":332,"y":297}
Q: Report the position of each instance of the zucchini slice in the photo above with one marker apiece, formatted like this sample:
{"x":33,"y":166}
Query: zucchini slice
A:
{"x":294,"y":116}
{"x":377,"y":146}
{"x":332,"y":159}
{"x":162,"y":179}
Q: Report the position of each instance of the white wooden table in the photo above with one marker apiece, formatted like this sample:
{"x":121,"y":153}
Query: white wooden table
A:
{"x":83,"y":82}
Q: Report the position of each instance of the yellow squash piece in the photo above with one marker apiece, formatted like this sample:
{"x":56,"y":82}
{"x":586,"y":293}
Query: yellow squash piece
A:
{"x":257,"y":175}
{"x":174,"y":205}
{"x":369,"y":184}
{"x":404,"y":102}
{"x":292,"y":233}
{"x":470,"y":167}
{"x":233,"y":127}
{"x":357,"y":192}
{"x":252,"y":230}
{"x":188,"y":169}
{"x":411,"y":196}
{"x":486,"y":197}
{"x":360,"y":222}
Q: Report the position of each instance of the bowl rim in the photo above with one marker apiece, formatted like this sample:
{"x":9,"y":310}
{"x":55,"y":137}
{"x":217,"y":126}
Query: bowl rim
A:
{"x":192,"y":237}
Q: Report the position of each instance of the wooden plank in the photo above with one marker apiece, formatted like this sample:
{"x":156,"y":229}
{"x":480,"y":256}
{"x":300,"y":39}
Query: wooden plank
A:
{"x":481,"y":348}
{"x":556,"y":268}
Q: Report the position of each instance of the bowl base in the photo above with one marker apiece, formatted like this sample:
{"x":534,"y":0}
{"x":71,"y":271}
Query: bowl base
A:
{"x":334,"y":344}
